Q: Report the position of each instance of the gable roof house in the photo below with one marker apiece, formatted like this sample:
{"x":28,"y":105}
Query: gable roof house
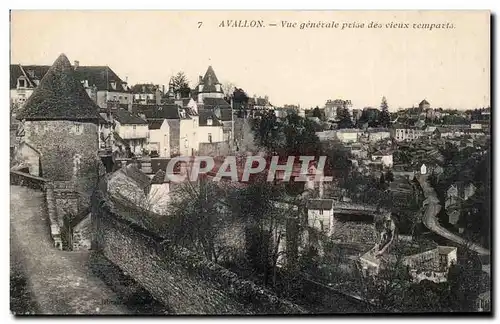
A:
{"x":145,"y":93}
{"x":101,"y":83}
{"x":182,"y":124}
{"x":131,"y":131}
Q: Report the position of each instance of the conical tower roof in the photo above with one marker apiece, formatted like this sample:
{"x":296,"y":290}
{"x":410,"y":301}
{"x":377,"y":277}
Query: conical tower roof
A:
{"x":210,"y":80}
{"x":60,"y":96}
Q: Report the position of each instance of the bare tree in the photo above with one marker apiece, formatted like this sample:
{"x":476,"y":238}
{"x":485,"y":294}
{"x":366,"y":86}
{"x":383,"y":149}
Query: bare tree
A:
{"x":228,"y":88}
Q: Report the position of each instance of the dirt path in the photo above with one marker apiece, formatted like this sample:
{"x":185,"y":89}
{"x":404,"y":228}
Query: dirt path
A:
{"x":430,"y":221}
{"x":59,"y":282}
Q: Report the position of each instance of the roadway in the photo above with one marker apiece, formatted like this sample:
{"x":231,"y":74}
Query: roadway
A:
{"x":59,"y":282}
{"x":432,"y":208}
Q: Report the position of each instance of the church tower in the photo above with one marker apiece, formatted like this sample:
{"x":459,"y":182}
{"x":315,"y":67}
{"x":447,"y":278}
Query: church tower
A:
{"x":61,"y":124}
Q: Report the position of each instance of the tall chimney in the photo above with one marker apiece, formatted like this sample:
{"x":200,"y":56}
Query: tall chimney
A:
{"x":200,"y":78}
{"x":77,"y":64}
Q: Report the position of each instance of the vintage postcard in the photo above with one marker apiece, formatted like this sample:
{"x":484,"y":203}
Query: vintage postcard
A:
{"x":250,"y":162}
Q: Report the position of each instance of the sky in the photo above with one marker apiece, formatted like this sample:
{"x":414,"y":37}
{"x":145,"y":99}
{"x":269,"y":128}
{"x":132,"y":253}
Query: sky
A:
{"x":448,"y":67}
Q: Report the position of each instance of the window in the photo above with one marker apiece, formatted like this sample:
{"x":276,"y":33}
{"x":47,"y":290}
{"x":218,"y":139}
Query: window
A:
{"x":76,"y":164}
{"x":209,"y":137}
{"x":134,"y":127}
{"x":443,"y":261}
{"x":114,"y":97}
{"x":209,"y":122}
{"x":186,"y":143}
{"x":78,"y":129}
{"x":22,"y":83}
{"x":120,"y":97}
{"x":321,"y":211}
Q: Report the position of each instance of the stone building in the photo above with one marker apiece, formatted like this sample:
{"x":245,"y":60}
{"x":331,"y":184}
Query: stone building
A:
{"x":60,"y":123}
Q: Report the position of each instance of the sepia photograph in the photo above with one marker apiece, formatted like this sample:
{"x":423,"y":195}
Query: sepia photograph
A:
{"x":250,"y":162}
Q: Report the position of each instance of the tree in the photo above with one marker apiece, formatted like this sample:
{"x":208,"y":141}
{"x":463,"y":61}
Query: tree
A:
{"x":181,"y":84}
{"x":240,"y":101}
{"x":228,"y":88}
{"x":265,"y":224}
{"x":317,"y":113}
{"x":345,"y":120}
{"x":199,"y":217}
{"x":292,"y":136}
{"x":466,"y":280}
{"x":385,"y":117}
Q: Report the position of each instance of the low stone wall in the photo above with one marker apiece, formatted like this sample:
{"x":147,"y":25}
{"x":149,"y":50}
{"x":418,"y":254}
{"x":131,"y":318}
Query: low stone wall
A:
{"x":214,"y":149}
{"x":184,"y":282}
{"x":25,"y":179}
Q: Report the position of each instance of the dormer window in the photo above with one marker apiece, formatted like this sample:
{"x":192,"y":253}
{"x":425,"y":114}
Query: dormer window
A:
{"x":113,"y":85}
{"x":21,"y":83}
{"x":217,"y":87}
{"x":209,"y":122}
{"x":85,"y":83}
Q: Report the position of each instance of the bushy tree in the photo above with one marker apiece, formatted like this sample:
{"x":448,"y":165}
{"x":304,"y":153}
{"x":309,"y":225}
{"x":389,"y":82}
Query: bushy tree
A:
{"x":385,"y":117}
{"x":344,"y":117}
{"x":181,"y":84}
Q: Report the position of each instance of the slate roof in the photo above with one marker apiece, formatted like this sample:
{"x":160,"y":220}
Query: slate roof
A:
{"x":155,"y":124}
{"x":145,"y":88}
{"x":212,"y":103}
{"x":205,"y":114}
{"x":165,"y":112}
{"x":160,"y":177}
{"x":209,"y":81}
{"x":123,"y":116}
{"x":60,"y":96}
{"x":424,"y":102}
{"x":158,"y":164}
{"x":320,"y":204}
{"x":225,"y":114}
{"x":15,"y":73}
{"x":31,"y":72}
{"x":137,"y":175}
{"x":99,"y":76}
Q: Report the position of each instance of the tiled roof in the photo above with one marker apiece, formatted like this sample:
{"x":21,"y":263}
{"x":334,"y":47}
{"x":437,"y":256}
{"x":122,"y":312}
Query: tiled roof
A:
{"x":320,"y":204}
{"x":205,"y":115}
{"x":60,"y":96}
{"x":123,"y":116}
